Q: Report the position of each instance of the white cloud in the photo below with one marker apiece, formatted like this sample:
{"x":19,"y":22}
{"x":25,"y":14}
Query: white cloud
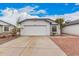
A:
{"x":36,"y":6}
{"x":25,"y":15}
{"x":7,"y":12}
{"x":11,"y":15}
{"x":41,"y":12}
{"x":32,"y":10}
{"x":53,"y":17}
{"x":76,"y":3}
{"x":67,"y":17}
{"x":27,"y":9}
{"x":66,"y":4}
{"x":72,"y":16}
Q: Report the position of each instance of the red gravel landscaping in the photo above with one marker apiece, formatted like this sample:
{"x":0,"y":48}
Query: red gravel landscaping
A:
{"x":6,"y":39}
{"x":69,"y":44}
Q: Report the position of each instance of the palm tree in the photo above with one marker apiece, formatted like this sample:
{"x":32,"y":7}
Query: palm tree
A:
{"x":60,"y":21}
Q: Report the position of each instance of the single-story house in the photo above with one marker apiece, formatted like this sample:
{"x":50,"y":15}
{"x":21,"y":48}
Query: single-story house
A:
{"x":39,"y":26}
{"x":5,"y":27}
{"x":72,"y":28}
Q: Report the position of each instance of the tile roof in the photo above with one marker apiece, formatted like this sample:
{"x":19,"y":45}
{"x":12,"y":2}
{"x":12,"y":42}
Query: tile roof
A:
{"x":72,"y":22}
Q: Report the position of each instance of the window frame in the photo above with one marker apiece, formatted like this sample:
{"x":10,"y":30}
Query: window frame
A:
{"x":54,"y":28}
{"x":7,"y":28}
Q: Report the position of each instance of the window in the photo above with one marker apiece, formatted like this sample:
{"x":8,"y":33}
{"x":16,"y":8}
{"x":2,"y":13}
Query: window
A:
{"x":6,"y":28}
{"x":54,"y":28}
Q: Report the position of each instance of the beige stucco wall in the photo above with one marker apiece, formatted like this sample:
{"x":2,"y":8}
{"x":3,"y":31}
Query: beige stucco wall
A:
{"x":1,"y":29}
{"x":58,"y":29}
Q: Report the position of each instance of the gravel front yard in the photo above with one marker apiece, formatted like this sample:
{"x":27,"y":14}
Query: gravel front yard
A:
{"x":6,"y":39}
{"x":69,"y":44}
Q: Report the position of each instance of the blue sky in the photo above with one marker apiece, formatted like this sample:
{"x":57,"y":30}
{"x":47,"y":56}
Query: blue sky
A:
{"x":10,"y":12}
{"x":50,"y":8}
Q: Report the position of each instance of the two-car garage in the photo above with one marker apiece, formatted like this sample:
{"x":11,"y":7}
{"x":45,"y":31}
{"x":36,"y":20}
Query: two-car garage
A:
{"x":35,"y":27}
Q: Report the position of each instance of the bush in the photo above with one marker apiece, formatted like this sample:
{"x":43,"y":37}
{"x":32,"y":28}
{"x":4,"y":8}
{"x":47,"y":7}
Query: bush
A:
{"x":54,"y":34}
{"x":15,"y":31}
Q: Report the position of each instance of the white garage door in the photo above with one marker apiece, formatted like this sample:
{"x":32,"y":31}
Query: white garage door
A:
{"x":35,"y":30}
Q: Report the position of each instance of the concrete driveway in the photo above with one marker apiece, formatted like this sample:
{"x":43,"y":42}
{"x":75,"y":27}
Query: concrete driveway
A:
{"x":31,"y":46}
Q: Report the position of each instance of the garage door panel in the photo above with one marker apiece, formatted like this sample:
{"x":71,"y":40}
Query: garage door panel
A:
{"x":35,"y":30}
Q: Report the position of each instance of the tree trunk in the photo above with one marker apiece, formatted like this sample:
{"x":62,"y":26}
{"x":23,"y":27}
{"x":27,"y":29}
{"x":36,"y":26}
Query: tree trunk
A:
{"x":60,"y":29}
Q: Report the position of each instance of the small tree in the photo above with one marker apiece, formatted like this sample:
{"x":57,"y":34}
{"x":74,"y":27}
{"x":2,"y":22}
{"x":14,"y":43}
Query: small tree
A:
{"x":60,"y":21}
{"x":18,"y":26}
{"x":14,"y":31}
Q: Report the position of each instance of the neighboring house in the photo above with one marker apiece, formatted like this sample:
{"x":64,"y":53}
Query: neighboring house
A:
{"x":39,"y":26}
{"x":72,"y":28}
{"x":5,"y":27}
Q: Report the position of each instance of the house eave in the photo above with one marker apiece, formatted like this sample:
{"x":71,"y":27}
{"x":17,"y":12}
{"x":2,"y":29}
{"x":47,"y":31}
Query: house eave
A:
{"x":7,"y":23}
